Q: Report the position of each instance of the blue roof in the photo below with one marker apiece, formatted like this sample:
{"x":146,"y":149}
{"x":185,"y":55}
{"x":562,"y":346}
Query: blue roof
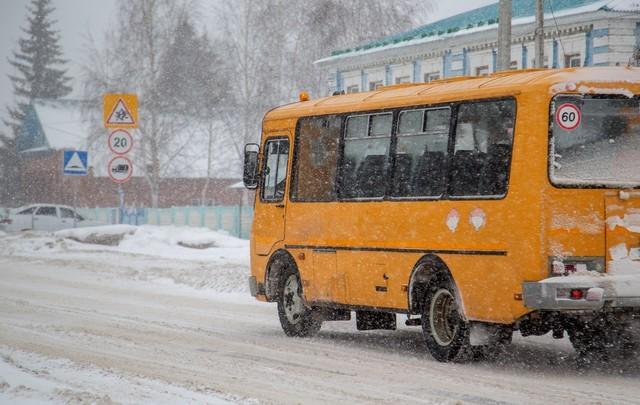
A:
{"x":486,"y":15}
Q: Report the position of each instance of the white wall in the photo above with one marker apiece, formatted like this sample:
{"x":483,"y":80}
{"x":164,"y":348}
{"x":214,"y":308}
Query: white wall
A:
{"x":430,"y":66}
{"x":352,"y":78}
{"x":480,"y":58}
{"x":400,"y":71}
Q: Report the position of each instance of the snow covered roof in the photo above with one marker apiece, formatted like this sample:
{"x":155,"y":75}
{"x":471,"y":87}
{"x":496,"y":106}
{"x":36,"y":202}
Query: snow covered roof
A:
{"x":483,"y":19}
{"x":62,"y":123}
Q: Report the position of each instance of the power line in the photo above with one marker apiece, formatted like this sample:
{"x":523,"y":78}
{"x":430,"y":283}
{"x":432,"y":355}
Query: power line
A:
{"x":557,"y":27}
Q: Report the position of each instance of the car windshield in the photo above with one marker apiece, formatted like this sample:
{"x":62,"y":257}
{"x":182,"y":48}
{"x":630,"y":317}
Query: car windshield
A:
{"x":595,"y":141}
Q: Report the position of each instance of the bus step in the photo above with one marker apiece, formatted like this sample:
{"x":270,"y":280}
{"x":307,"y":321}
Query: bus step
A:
{"x":413,"y":322}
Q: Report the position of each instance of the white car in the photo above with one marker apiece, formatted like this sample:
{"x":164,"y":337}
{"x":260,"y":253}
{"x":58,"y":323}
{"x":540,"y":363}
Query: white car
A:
{"x":43,"y":217}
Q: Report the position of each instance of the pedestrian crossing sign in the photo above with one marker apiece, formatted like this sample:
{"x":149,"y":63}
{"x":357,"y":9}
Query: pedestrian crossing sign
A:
{"x":74,"y":163}
{"x":120,"y":111}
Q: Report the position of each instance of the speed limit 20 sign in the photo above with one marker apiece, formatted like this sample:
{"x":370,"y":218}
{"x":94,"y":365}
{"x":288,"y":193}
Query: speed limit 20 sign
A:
{"x":568,"y":116}
{"x":120,"y":141}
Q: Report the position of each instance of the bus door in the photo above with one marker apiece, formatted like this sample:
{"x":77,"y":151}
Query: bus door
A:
{"x":270,"y":207}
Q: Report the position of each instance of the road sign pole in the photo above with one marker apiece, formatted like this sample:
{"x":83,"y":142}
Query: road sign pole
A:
{"x":121,"y":199}
{"x":75,"y":194}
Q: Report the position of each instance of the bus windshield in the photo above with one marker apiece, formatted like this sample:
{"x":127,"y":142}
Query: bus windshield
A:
{"x":595,"y":141}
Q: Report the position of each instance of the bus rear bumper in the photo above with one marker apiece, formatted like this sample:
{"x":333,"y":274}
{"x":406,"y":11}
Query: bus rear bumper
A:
{"x":582,"y":293}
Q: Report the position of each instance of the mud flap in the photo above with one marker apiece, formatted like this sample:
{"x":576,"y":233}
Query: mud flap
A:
{"x":371,"y":320}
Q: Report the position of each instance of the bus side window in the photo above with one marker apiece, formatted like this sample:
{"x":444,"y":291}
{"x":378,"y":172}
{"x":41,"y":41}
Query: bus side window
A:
{"x":423,"y":137}
{"x":482,"y":153}
{"x":316,"y":158}
{"x":366,"y":150}
{"x":275,"y":169}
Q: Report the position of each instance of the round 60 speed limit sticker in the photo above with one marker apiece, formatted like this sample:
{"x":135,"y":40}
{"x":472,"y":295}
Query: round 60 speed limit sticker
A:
{"x":568,"y":116}
{"x":120,"y":141}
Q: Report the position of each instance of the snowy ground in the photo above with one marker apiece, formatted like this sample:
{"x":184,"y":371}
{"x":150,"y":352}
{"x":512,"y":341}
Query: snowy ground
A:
{"x":90,"y":324}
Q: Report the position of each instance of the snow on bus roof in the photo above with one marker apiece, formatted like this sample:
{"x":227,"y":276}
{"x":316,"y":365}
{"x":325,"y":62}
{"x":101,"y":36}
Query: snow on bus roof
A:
{"x":461,"y":87}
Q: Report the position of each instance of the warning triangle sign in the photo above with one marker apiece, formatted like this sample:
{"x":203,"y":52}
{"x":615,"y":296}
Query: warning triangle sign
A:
{"x":120,"y":115}
{"x":75,"y":164}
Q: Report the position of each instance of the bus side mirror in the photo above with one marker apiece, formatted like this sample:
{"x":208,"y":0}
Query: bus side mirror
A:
{"x":250,"y":174}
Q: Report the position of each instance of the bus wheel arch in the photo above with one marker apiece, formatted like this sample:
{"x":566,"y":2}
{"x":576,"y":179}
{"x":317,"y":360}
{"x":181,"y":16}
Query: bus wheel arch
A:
{"x":428,"y":267}
{"x":280,"y":260}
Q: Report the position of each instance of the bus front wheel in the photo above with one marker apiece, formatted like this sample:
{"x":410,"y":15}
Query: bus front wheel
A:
{"x":296,"y":318}
{"x":446,"y":333}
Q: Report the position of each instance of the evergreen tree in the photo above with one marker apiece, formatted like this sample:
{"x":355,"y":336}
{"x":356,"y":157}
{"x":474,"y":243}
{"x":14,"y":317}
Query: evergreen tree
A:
{"x":189,"y":82}
{"x":37,"y":63}
{"x":39,"y":73}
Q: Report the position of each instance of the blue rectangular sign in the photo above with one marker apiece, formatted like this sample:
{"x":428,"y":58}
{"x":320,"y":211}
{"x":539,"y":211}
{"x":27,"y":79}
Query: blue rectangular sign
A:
{"x":75,"y":163}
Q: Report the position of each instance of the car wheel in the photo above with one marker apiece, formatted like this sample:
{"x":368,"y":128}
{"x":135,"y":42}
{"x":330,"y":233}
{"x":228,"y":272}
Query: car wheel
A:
{"x":445,"y":331}
{"x":296,"y":318}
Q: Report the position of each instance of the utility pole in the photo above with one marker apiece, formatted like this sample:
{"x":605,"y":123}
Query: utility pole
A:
{"x":504,"y":36}
{"x":539,"y":34}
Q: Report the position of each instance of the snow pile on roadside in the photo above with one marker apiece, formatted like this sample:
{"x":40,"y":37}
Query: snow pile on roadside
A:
{"x":217,"y":263}
{"x":34,"y":379}
{"x":110,"y":235}
{"x":165,"y":241}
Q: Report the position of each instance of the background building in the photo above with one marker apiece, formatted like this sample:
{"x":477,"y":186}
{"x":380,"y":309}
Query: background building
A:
{"x":52,"y":126}
{"x":577,"y":33}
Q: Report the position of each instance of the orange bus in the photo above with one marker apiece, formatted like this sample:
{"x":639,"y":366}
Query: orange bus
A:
{"x":476,"y":207}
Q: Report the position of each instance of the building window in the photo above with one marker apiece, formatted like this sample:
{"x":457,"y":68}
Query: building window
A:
{"x":572,"y":60}
{"x":429,"y":77}
{"x":366,"y":150}
{"x":353,"y":89}
{"x":403,"y":79}
{"x":482,"y":150}
{"x":421,"y":153}
{"x":482,"y":70}
{"x":375,"y":85}
{"x":316,"y":158}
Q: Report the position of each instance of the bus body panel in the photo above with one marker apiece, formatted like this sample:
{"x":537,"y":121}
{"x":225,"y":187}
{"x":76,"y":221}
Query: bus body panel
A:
{"x":362,"y":253}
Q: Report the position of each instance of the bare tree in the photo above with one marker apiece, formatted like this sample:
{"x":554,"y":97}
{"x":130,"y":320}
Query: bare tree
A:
{"x":157,"y":54}
{"x":272,"y":45}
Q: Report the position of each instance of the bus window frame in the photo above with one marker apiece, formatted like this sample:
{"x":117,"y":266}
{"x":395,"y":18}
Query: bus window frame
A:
{"x":294,"y":156}
{"x":453,"y":144}
{"x":263,"y":170}
{"x":452,"y":105}
{"x":550,"y":145}
{"x":343,"y":138}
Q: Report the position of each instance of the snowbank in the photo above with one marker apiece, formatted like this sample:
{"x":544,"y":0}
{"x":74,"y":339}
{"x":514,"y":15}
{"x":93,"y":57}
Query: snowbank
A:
{"x":164,"y":241}
{"x":110,"y":235}
{"x":172,"y":257}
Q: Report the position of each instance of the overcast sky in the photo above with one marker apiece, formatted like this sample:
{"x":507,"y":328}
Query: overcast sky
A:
{"x":78,"y":18}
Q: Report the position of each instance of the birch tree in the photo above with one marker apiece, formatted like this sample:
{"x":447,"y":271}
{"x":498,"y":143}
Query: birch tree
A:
{"x":272,"y":45}
{"x":156,"y":53}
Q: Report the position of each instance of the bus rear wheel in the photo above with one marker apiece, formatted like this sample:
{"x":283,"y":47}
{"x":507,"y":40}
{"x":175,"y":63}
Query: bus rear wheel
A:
{"x":296,"y":318}
{"x":445,"y":331}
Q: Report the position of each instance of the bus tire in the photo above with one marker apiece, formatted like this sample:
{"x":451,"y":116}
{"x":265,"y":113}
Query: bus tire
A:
{"x":296,"y":318}
{"x":445,"y":331}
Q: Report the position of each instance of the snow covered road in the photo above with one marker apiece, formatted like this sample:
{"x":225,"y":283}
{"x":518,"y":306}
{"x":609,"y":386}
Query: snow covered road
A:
{"x":104,"y":326}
